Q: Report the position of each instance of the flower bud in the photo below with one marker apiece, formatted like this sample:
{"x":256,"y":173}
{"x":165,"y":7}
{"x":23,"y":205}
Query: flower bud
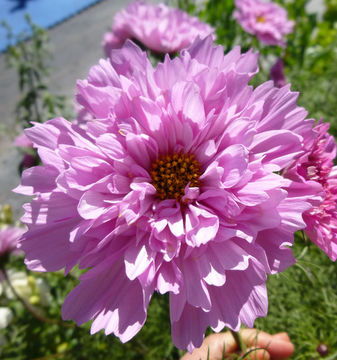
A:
{"x":63,"y":347}
{"x":323,"y":349}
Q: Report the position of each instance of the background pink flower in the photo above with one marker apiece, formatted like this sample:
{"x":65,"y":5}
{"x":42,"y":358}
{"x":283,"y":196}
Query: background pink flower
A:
{"x":9,"y":237}
{"x":317,"y":165}
{"x":277,"y":73}
{"x":172,"y":187}
{"x":158,"y":27}
{"x":22,"y":141}
{"x":266,"y":20}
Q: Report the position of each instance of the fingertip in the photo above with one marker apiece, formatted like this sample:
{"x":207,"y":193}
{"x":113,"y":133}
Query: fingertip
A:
{"x":282,"y":336}
{"x":280,"y":349}
{"x":279,"y":346}
{"x":255,"y":337}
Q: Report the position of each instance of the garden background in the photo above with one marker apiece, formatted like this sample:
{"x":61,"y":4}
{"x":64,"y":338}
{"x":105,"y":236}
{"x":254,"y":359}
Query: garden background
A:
{"x":302,"y":299}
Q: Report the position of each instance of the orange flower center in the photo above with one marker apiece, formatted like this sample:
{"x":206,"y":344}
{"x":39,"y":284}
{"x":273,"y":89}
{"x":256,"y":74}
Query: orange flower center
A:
{"x":171,"y":173}
{"x":260,"y":19}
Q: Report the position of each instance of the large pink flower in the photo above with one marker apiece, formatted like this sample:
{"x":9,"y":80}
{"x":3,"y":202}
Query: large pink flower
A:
{"x":158,"y":27}
{"x":317,"y":165}
{"x":172,"y":187}
{"x":267,"y":20}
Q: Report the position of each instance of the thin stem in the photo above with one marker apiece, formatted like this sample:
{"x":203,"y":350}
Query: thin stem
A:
{"x":32,"y":87}
{"x":239,"y":341}
{"x":31,"y":308}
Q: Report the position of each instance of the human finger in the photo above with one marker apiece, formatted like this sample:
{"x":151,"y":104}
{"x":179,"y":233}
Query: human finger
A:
{"x":214,"y":345}
{"x":278,"y":348}
{"x":278,"y":345}
{"x":282,"y":336}
{"x":257,"y":354}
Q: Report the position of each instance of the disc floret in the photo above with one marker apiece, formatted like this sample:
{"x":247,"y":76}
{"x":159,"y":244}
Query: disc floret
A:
{"x":171,"y":173}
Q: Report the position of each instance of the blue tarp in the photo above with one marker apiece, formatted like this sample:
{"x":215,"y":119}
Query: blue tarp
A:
{"x":45,"y":13}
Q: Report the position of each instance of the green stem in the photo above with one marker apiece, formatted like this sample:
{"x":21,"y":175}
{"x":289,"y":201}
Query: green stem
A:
{"x":238,"y":339}
{"x":32,"y":87}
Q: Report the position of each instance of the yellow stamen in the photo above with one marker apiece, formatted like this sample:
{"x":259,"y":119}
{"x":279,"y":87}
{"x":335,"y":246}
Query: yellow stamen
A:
{"x":171,"y":173}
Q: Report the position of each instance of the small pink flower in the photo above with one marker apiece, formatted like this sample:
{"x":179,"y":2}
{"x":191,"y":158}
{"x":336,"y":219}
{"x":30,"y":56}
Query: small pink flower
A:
{"x":9,"y":237}
{"x":266,"y":20}
{"x":22,"y":141}
{"x":173,"y":187}
{"x":158,"y":27}
{"x":317,"y":165}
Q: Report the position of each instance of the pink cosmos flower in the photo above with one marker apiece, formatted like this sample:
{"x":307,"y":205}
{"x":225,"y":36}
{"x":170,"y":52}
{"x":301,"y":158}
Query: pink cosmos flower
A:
{"x":9,"y":237}
{"x":158,"y":27}
{"x":172,"y":187}
{"x":266,"y":20}
{"x":317,"y":165}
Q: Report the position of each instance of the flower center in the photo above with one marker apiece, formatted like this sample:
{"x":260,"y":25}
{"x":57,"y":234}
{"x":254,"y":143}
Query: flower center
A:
{"x":171,"y":173}
{"x":260,"y":19}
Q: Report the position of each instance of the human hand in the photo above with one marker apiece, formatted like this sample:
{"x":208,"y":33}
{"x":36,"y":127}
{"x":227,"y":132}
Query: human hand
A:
{"x":274,"y":347}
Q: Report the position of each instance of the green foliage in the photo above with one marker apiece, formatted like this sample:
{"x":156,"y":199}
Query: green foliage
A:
{"x":303,"y":302}
{"x":30,"y":338}
{"x":6,"y":215}
{"x":219,"y":15}
{"x":30,"y":57}
{"x":331,"y":11}
{"x":185,"y":5}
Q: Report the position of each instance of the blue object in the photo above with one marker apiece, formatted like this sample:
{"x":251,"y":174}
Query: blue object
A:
{"x":45,"y":13}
